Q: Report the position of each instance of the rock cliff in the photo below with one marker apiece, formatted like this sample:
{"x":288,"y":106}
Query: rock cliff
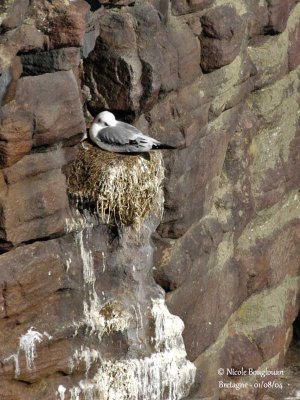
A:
{"x":82,"y":309}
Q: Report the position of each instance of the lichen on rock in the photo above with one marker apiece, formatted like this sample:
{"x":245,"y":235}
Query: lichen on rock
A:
{"x":121,"y":189}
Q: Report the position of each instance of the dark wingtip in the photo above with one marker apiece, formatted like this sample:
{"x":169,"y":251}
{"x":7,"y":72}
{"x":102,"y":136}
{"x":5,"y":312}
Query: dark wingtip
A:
{"x":163,"y":146}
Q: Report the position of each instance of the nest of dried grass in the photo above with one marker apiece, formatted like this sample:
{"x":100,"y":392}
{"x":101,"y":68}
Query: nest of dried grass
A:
{"x":121,"y":189}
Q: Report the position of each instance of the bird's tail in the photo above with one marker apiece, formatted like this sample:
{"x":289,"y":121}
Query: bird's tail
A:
{"x":162,"y":146}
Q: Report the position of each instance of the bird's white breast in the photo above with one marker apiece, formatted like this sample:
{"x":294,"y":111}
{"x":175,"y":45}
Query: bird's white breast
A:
{"x":94,"y":130}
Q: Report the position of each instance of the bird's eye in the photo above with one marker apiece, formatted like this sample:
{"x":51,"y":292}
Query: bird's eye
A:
{"x":99,"y":120}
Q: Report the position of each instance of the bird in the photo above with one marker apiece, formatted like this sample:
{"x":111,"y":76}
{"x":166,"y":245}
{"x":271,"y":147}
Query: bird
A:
{"x":119,"y":137}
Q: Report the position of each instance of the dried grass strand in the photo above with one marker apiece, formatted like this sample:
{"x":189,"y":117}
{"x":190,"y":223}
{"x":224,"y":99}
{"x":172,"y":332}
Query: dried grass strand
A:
{"x":122,"y":189}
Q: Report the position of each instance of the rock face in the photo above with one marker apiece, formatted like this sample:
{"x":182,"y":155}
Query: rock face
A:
{"x":81,"y":316}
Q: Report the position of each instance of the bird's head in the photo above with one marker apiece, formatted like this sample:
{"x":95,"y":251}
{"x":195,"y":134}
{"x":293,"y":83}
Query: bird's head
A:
{"x":104,"y":119}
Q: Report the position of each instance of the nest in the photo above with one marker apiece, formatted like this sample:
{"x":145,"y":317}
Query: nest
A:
{"x":122,"y":189}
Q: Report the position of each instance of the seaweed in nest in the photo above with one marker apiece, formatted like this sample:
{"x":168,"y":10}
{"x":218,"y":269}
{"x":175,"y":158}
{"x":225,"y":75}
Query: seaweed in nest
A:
{"x":123,"y":189}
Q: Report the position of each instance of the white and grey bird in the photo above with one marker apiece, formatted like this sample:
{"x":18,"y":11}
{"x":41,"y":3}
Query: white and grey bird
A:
{"x":119,"y":137}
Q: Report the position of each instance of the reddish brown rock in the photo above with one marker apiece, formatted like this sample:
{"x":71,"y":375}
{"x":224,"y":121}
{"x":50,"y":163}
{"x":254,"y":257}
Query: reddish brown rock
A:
{"x":56,"y":304}
{"x":20,"y":222}
{"x":271,"y":341}
{"x":15,"y":135}
{"x":35,"y":164}
{"x":293,"y":162}
{"x":262,"y":263}
{"x":293,"y":51}
{"x":15,"y":13}
{"x":163,"y":6}
{"x":237,"y":164}
{"x":245,"y":393}
{"x":116,"y":2}
{"x":112,"y":71}
{"x":208,"y":364}
{"x":105,"y":91}
{"x":174,"y":258}
{"x":243,"y":353}
{"x":25,"y":38}
{"x":55,"y":25}
{"x":278,"y":16}
{"x":64,"y":24}
{"x":193,"y":170}
{"x":117,"y":30}
{"x":27,"y":276}
{"x":188,"y":50}
{"x":258,"y":18}
{"x":159,"y":57}
{"x":132,"y":69}
{"x":180,"y":7}
{"x":195,"y":25}
{"x":54,"y":101}
{"x":221,"y":37}
{"x":221,"y":23}
{"x":31,"y":208}
{"x":34,"y":293}
{"x":269,"y":17}
{"x":198,"y":313}
{"x":162,"y":124}
{"x":160,"y":69}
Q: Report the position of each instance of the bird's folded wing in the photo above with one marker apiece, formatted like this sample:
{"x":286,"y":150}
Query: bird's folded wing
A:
{"x":118,"y":136}
{"x":132,"y":130}
{"x":129,"y":128}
